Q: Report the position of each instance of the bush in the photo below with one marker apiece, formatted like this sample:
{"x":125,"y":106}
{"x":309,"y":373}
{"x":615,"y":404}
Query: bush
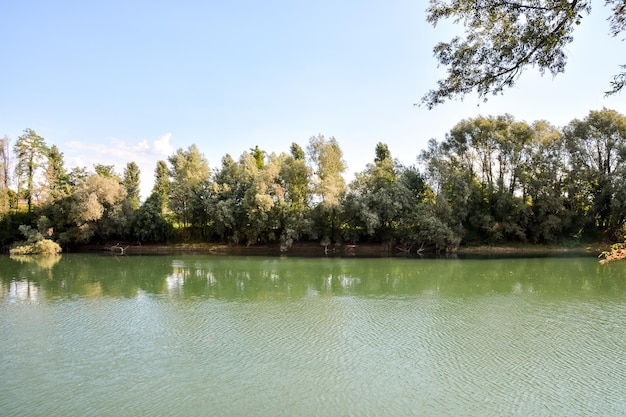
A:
{"x":35,"y":244}
{"x":42,"y":247}
{"x":617,"y":253}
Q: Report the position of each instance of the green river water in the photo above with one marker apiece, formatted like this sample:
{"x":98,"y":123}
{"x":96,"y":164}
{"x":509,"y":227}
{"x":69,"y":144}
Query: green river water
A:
{"x":198,"y":335}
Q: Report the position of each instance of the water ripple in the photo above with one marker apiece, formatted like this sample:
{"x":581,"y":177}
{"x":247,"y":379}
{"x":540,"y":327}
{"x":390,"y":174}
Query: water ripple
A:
{"x":332,"y":351}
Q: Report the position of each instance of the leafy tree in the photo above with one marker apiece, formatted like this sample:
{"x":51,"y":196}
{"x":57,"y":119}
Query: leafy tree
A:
{"x":263,"y":197}
{"x":597,"y":158}
{"x":373,"y":203}
{"x":58,"y":189}
{"x":5,"y":172}
{"x":259,"y":156}
{"x":328,"y":184}
{"x":401,"y":212}
{"x":379,"y":174}
{"x":295,"y":177}
{"x":296,"y":152}
{"x":162,"y":187}
{"x":424,"y":224}
{"x":107,"y":171}
{"x":189,"y":174}
{"x":241,"y":200}
{"x":503,"y":38}
{"x":477,"y":174}
{"x":30,"y":151}
{"x":329,"y":166}
{"x":95,"y":210}
{"x":543,"y":182}
{"x":496,"y":148}
{"x":149,"y":225}
{"x":77,"y":176}
{"x":56,"y":175}
{"x":131,"y":182}
{"x":226,"y":195}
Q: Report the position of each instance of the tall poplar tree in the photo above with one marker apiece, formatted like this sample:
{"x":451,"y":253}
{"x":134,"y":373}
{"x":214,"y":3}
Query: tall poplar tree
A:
{"x":131,"y":182}
{"x":56,"y":175}
{"x":162,"y":186}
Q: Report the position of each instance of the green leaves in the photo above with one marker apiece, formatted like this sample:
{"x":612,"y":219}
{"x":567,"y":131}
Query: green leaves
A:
{"x":501,"y":40}
{"x":30,"y":151}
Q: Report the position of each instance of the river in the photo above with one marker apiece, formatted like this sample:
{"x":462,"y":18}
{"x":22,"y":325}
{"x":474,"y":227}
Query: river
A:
{"x":194,"y":335}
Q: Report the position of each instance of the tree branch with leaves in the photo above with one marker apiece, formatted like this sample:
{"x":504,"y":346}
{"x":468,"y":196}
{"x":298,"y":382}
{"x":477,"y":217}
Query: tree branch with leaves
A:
{"x":504,"y":38}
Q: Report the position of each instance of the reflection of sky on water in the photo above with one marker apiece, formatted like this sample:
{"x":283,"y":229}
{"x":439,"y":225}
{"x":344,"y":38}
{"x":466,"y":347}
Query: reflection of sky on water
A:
{"x":18,"y":291}
{"x":175,"y":281}
{"x":344,"y":282}
{"x":175,"y":284}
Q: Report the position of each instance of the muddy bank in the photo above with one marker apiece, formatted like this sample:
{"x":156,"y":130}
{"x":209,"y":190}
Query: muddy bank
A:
{"x":589,"y":249}
{"x":298,"y":249}
{"x":315,"y":249}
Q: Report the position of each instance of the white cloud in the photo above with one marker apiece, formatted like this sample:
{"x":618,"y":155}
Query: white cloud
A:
{"x":143,"y":145}
{"x":118,"y":149}
{"x":77,"y":162}
{"x":115,"y":149}
{"x":162,"y":145}
{"x":117,"y":152}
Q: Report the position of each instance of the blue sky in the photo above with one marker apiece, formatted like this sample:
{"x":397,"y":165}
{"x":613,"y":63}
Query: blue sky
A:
{"x":119,"y":81}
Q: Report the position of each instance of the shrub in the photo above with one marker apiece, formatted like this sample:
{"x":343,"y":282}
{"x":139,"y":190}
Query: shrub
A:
{"x":35,"y":244}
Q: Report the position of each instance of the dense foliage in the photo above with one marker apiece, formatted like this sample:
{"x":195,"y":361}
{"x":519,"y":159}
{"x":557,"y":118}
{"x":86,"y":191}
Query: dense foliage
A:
{"x":492,"y":180}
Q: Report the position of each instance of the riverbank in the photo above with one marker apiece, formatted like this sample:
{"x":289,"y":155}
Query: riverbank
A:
{"x":298,"y":249}
{"x":588,"y":249}
{"x":359,"y":250}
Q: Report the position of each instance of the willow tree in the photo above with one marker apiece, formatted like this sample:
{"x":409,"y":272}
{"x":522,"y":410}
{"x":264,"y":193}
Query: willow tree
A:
{"x":597,"y":157}
{"x":264,"y":201}
{"x":295,"y":179}
{"x":225,"y":202}
{"x":189,"y":174}
{"x":478,"y":172}
{"x":329,"y":186}
{"x":329,"y":166}
{"x":372,"y":204}
{"x":543,"y":186}
{"x":94,"y":210}
{"x":503,"y":38}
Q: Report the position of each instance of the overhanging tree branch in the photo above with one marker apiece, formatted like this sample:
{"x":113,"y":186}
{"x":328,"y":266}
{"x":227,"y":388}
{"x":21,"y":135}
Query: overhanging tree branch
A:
{"x":502,"y":38}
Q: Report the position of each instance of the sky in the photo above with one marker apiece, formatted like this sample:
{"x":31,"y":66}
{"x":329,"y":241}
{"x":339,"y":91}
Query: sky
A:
{"x":123,"y":80}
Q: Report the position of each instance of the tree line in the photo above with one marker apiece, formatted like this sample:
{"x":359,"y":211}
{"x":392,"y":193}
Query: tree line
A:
{"x":491,"y":180}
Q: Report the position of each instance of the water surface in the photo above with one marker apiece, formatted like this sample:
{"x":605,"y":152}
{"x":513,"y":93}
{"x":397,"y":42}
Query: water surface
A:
{"x":193,"y":335}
